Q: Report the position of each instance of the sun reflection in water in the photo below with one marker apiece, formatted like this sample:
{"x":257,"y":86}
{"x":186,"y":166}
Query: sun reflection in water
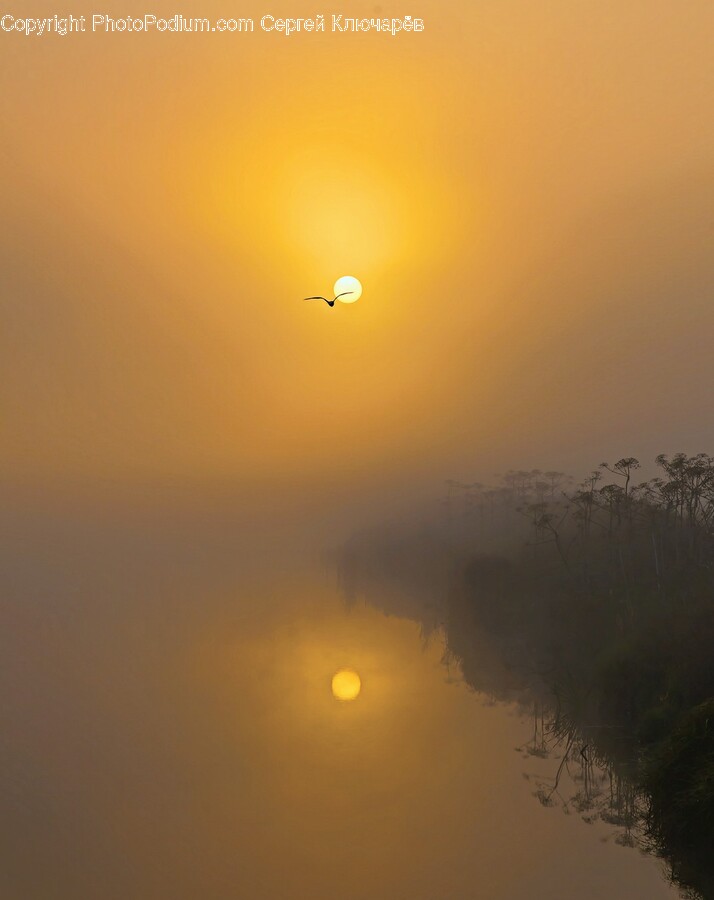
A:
{"x":346,"y":685}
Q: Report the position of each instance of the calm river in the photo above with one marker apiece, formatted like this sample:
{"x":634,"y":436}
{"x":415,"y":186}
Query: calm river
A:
{"x":170,"y":733}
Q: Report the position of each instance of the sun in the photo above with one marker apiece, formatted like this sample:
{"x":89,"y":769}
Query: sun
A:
{"x":346,"y":685}
{"x":348,"y":283}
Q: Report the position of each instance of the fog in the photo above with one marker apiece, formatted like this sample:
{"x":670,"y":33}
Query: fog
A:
{"x":525,"y":192}
{"x":169,"y":730}
{"x":526,"y":198}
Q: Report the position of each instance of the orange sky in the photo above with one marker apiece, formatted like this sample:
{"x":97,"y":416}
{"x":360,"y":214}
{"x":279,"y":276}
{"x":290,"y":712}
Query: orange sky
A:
{"x":524,"y":190}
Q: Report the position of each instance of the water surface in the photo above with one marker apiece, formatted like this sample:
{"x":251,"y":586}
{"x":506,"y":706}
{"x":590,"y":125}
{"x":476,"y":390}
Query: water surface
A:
{"x":169,"y":731}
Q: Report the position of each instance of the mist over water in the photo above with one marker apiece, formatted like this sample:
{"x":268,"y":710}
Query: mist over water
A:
{"x":169,"y":728}
{"x":524,"y":192}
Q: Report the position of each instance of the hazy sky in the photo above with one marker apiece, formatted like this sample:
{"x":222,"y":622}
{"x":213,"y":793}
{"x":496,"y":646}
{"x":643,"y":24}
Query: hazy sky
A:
{"x":525,"y":191}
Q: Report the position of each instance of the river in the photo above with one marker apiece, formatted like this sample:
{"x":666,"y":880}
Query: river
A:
{"x":169,"y":731}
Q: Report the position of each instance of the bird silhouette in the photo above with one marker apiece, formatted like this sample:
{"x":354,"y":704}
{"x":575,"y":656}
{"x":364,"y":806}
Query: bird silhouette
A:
{"x":330,"y":302}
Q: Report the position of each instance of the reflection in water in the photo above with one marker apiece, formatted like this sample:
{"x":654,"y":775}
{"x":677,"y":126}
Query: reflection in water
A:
{"x":346,"y":685}
{"x":549,"y":648}
{"x":585,"y":781}
{"x":176,"y":735}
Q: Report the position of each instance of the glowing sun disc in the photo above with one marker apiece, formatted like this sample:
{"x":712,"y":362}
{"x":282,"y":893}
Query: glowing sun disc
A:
{"x":348,"y":283}
{"x":346,"y":685}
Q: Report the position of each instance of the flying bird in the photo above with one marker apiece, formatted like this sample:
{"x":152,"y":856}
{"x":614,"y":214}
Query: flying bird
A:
{"x":330,"y":302}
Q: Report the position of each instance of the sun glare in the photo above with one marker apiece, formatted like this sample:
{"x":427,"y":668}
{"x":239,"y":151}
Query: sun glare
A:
{"x":351,"y":284}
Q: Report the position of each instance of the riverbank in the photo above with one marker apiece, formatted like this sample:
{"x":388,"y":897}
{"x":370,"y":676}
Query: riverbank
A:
{"x":597,"y":607}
